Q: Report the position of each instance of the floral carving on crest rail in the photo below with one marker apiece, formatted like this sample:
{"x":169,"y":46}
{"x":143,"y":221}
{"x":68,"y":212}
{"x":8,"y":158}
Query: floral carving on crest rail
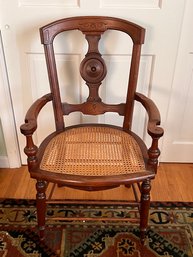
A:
{"x":90,"y":26}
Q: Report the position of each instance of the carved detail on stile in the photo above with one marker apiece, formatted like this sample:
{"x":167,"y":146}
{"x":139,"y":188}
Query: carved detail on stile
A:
{"x":90,"y":26}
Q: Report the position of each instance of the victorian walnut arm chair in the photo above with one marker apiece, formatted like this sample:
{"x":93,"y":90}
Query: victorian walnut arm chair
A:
{"x":93,"y":157}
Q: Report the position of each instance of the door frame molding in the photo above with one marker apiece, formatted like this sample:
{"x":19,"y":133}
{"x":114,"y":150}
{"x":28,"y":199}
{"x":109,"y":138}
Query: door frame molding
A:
{"x":7,"y":115}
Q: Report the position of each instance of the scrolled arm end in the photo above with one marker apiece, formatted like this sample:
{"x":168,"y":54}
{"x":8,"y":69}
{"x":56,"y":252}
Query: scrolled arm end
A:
{"x":28,"y":128}
{"x":154,"y":130}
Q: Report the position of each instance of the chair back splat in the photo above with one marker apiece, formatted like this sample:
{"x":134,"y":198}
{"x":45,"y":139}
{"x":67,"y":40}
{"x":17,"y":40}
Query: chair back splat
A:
{"x":92,"y":68}
{"x":93,"y":157}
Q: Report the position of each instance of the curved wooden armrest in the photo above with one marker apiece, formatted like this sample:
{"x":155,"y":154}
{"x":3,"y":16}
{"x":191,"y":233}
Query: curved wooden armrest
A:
{"x":31,"y":116}
{"x":153,"y":113}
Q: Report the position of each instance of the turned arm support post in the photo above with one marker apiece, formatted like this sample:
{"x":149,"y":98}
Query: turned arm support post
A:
{"x":153,"y":128}
{"x":30,"y":126}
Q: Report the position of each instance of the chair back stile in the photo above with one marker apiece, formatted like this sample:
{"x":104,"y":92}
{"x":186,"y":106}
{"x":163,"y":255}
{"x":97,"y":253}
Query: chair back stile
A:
{"x":54,"y":86}
{"x":133,"y":77}
{"x":92,"y":68}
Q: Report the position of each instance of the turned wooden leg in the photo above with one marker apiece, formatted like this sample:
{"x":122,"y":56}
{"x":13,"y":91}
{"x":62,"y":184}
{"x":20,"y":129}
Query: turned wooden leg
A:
{"x":41,"y":206}
{"x":144,"y":210}
{"x":153,"y":153}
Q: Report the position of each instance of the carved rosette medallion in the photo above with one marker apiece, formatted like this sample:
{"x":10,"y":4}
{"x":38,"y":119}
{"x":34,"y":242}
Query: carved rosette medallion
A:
{"x":93,"y":69}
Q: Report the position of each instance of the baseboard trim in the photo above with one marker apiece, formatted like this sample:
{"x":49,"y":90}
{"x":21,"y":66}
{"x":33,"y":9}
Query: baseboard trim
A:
{"x":4,"y":162}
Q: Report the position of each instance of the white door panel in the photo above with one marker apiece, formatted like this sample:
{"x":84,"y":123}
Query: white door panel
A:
{"x":20,"y":21}
{"x":178,"y":141}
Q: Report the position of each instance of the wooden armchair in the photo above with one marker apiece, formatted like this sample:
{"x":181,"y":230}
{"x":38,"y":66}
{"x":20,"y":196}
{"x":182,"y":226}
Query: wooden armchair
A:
{"x":93,"y":156}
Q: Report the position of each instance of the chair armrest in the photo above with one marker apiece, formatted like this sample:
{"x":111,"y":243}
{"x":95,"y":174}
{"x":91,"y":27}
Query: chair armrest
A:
{"x":30,"y":124}
{"x":153,"y":115}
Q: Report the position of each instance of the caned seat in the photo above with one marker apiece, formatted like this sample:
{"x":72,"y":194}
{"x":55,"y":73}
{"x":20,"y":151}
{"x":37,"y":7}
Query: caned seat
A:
{"x":93,"y":151}
{"x":93,"y":157}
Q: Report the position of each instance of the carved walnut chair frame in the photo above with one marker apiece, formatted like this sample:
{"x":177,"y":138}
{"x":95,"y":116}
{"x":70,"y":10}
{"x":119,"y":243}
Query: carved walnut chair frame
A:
{"x":93,"y":71}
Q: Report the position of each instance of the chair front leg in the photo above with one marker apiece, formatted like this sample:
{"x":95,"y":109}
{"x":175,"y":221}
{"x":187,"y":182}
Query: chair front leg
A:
{"x":144,"y":210}
{"x":41,"y":206}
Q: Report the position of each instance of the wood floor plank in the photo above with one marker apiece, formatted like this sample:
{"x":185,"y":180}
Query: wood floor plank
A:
{"x":172,"y":183}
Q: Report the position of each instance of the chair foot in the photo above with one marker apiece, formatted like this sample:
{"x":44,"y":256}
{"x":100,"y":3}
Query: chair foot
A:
{"x":41,"y":206}
{"x":144,"y":211}
{"x":41,"y":233}
{"x":143,"y":236}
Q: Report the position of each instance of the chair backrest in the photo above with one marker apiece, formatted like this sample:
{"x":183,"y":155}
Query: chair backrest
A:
{"x":92,"y":68}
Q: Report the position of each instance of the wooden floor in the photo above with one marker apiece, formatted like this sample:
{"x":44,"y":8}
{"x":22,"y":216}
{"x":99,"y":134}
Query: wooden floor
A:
{"x":174,"y":182}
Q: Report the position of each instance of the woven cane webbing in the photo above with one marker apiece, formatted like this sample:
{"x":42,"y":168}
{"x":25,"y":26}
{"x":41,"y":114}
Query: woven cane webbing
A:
{"x":93,"y":151}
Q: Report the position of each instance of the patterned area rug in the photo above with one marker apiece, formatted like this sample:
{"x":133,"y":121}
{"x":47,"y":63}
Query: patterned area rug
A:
{"x":170,"y":233}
